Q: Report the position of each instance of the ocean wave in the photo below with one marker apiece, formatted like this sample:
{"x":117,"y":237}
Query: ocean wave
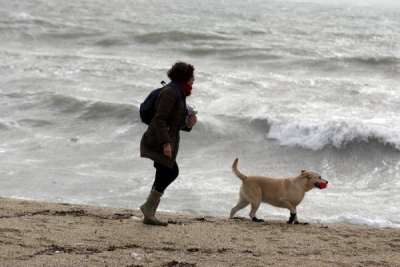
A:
{"x":87,"y":109}
{"x":68,"y":35}
{"x":112,"y":41}
{"x":390,"y":62}
{"x":375,"y":60}
{"x":178,"y":36}
{"x":48,"y":29}
{"x":318,"y":136}
{"x":106,"y":110}
{"x":4,"y":126}
{"x":33,"y":123}
{"x":300,"y":58}
{"x":73,"y":107}
{"x":25,"y":20}
{"x":232,"y":53}
{"x":312,"y":136}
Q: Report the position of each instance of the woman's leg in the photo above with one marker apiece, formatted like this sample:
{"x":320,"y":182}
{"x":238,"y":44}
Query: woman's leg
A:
{"x":164,"y":176}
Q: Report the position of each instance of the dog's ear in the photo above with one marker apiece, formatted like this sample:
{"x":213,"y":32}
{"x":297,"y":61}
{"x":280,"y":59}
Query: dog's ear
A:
{"x":305,"y":174}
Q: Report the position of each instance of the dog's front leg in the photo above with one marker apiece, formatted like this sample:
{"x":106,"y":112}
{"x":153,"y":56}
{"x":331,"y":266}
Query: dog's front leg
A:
{"x":293,"y":218}
{"x":293,"y":213}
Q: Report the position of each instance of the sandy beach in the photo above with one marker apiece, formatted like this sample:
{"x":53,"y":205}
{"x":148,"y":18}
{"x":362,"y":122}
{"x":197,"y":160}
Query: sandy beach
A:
{"x":57,"y":234}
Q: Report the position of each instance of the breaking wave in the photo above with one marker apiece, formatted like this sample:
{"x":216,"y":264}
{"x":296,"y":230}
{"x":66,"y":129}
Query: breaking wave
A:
{"x":319,"y":136}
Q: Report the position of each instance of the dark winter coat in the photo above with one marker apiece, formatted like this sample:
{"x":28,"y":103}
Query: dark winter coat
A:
{"x":164,"y":128}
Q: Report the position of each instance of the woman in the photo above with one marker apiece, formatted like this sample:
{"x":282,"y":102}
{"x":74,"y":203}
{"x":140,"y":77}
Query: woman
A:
{"x":160,"y":142}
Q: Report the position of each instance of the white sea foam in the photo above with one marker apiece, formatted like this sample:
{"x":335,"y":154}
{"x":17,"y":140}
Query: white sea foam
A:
{"x":359,"y":220}
{"x":336,"y":134}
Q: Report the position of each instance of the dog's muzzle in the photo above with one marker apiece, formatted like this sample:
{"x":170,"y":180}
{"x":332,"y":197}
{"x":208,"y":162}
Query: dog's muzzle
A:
{"x":321,"y":185}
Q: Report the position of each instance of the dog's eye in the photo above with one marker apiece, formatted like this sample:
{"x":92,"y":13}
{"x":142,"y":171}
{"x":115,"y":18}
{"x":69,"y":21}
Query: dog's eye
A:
{"x":320,"y":177}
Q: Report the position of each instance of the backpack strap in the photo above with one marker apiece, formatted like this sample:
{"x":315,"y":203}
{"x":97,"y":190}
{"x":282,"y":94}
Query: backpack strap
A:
{"x":177,"y":90}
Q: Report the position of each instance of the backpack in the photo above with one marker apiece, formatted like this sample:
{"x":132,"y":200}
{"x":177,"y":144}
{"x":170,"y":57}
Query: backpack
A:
{"x":147,"y":110}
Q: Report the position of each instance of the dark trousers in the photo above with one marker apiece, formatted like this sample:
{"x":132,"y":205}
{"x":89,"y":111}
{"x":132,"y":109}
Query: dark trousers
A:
{"x":164,"y":176}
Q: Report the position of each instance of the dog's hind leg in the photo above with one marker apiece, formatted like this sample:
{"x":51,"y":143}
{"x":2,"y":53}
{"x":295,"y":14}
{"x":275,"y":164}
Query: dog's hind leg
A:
{"x":242,"y":203}
{"x":254,"y":208}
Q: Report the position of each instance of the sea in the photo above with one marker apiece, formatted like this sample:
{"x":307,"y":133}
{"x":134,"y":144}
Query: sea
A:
{"x":282,"y":85}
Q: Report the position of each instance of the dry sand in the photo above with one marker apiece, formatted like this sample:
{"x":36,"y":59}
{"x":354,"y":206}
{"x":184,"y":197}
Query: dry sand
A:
{"x":49,"y":234}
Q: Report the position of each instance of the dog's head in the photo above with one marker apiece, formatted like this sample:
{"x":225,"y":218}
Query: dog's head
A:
{"x":314,"y":180}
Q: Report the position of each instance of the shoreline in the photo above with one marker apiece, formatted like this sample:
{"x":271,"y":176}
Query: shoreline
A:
{"x":34,"y":233}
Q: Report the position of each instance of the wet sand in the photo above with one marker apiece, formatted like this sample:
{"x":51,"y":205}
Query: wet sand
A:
{"x":50,"y":234}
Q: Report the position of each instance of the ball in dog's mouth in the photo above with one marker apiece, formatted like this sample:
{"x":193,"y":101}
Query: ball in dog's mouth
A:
{"x":321,"y":185}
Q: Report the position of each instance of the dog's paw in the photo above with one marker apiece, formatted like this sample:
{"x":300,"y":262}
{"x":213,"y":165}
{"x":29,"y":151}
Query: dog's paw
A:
{"x":255,"y":219}
{"x":291,"y":219}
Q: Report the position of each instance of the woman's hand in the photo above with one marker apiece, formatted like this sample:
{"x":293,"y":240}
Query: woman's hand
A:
{"x":192,"y":121}
{"x":168,"y":150}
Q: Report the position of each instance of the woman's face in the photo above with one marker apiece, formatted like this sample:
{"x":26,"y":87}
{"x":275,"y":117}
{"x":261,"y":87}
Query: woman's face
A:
{"x":191,"y":81}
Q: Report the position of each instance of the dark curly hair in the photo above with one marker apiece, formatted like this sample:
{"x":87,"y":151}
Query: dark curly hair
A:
{"x":181,"y":72}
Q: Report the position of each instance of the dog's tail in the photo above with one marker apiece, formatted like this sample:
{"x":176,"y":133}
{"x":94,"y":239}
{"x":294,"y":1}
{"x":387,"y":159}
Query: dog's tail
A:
{"x":237,"y":172}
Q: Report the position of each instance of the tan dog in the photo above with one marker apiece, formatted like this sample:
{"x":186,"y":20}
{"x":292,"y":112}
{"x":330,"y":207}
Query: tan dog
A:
{"x":283,"y":193}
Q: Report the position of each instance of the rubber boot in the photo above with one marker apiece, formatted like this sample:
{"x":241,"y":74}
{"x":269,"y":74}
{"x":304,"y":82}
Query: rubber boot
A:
{"x":154,"y":209}
{"x":149,"y":208}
